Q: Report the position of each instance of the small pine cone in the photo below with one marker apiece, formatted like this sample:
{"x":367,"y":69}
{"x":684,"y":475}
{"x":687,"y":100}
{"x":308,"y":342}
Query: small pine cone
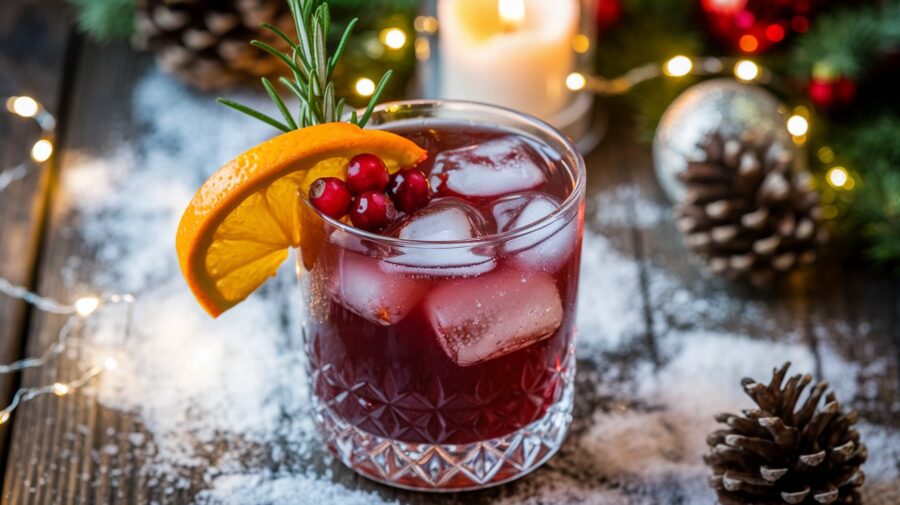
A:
{"x":779,"y":454}
{"x":748,"y":212}
{"x":207,"y":42}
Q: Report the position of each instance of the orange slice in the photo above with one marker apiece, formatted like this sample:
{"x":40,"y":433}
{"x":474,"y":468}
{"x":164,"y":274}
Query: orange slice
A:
{"x":240,"y":225}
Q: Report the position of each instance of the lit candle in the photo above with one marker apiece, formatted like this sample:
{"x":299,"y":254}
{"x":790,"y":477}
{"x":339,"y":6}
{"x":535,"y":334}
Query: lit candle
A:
{"x":514,"y":53}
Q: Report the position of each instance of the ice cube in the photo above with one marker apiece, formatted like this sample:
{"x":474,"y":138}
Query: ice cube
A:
{"x":547,"y":248}
{"x":495,"y":314}
{"x":380,"y":297}
{"x":493,"y":168}
{"x":444,"y":219}
{"x":506,"y":209}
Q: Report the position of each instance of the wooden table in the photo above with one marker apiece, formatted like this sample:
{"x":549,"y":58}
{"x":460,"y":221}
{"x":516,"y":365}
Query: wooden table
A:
{"x":841,"y":313}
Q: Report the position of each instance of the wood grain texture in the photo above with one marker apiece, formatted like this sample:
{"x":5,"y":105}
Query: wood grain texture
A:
{"x":33,"y":43}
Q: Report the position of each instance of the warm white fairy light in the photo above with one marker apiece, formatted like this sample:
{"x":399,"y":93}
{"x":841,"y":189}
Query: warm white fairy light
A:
{"x":24,"y":106}
{"x":87,"y":305}
{"x":581,"y":43}
{"x":678,"y":66}
{"x":575,"y":81}
{"x":393,"y":38}
{"x":42,"y":150}
{"x":426,"y":24}
{"x":797,"y":125}
{"x":838,"y":177}
{"x":746,"y":70}
{"x":365,"y":87}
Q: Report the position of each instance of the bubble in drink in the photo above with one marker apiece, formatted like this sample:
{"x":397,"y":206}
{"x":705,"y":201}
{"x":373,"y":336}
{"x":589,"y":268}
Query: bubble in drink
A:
{"x":545,"y":249}
{"x":443,"y":220}
{"x":380,"y":297}
{"x":492,"y":315}
{"x":489,"y":169}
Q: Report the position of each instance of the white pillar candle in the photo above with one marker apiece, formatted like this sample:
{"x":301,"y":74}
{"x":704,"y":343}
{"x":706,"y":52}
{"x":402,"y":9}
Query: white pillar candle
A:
{"x":514,"y":53}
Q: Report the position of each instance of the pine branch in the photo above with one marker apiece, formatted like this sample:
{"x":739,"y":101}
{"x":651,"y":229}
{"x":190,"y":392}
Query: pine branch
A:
{"x":105,"y":19}
{"x":873,"y":206}
{"x":847,"y":41}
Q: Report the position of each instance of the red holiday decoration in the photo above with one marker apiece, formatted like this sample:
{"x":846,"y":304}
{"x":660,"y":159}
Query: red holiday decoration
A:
{"x":608,"y":14}
{"x":752,"y":26}
{"x":831,"y":93}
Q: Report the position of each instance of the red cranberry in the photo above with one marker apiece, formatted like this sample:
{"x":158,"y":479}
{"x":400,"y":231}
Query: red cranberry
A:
{"x":372,"y":211}
{"x":331,"y":196}
{"x":366,"y":173}
{"x":409,"y":189}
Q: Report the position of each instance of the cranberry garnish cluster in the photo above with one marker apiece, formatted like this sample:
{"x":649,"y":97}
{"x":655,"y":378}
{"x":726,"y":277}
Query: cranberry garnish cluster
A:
{"x":369,"y":194}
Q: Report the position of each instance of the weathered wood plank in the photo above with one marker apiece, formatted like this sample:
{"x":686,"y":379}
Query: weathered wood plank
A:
{"x":57,"y":455}
{"x":33,"y":44}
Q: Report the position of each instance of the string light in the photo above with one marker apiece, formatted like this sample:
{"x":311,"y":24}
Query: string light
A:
{"x":797,"y":125}
{"x":365,"y":87}
{"x":581,"y":43}
{"x":393,"y":38}
{"x":24,"y":106}
{"x":839,"y":178}
{"x":746,"y":70}
{"x":678,"y":66}
{"x":426,"y":24}
{"x":86,"y":306}
{"x":41,"y":151}
{"x":575,"y":81}
{"x":29,"y":108}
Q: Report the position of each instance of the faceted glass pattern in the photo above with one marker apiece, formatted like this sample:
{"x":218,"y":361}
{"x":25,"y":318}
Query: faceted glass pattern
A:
{"x":441,"y":467}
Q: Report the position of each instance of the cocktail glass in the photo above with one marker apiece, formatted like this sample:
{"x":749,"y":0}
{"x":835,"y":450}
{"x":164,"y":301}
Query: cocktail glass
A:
{"x":446,"y":365}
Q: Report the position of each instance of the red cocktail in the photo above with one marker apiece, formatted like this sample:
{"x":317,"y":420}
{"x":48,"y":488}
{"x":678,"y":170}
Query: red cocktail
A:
{"x":441,"y":349}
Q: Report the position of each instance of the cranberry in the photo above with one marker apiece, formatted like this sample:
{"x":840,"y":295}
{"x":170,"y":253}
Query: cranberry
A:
{"x":366,"y":173}
{"x":372,"y":211}
{"x":331,"y":196}
{"x":409,"y":189}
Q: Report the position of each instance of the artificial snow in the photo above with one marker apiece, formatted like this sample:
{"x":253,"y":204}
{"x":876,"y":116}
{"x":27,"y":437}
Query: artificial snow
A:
{"x":229,"y":396}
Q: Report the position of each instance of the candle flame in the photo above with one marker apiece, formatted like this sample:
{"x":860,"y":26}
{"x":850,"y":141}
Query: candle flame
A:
{"x":512,"y":13}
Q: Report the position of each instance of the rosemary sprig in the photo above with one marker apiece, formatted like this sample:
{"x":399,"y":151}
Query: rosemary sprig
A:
{"x":311,"y":68}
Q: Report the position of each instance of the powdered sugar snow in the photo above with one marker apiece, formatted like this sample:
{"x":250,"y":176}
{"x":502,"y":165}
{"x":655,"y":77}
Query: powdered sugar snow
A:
{"x":237,"y":383}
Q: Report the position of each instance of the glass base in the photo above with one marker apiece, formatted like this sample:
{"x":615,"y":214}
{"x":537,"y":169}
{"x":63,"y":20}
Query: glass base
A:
{"x":450,"y":467}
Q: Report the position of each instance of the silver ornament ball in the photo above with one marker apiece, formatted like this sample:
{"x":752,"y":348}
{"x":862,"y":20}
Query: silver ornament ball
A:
{"x":724,"y":105}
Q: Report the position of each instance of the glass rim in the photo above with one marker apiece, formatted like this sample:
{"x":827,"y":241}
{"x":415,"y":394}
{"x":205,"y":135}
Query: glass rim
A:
{"x":571,"y":200}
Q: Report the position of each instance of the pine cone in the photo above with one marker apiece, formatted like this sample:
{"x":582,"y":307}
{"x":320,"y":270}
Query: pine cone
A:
{"x":748,"y":212}
{"x":206,"y":42}
{"x":778,"y":454}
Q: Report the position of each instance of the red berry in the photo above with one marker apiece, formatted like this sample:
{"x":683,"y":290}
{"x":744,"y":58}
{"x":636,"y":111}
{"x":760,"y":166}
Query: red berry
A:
{"x":409,"y":189}
{"x":331,"y":196}
{"x":366,"y":173}
{"x":372,"y":211}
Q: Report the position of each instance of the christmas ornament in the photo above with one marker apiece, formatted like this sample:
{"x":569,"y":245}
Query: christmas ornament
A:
{"x":725,"y":106}
{"x":608,"y":14}
{"x":207,"y":42}
{"x":781,"y":454}
{"x":749,"y":212}
{"x":752,"y":26}
{"x":831,"y":93}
